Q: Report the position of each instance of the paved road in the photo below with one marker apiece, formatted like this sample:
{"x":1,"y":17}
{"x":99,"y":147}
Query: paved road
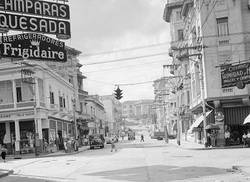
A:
{"x":152,"y":161}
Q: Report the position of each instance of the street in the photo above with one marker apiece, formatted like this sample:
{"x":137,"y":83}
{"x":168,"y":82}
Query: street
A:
{"x":151,"y":161}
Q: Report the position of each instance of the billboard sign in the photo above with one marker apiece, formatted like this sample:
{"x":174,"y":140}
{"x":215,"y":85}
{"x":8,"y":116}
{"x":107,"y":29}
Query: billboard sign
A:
{"x":34,"y":24}
{"x":39,"y":8}
{"x":233,"y":74}
{"x":33,"y":46}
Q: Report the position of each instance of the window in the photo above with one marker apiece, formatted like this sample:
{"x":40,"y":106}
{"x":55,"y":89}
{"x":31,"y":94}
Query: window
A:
{"x":60,"y":101}
{"x":222,"y":26}
{"x":180,"y":35}
{"x":188,"y":97}
{"x":178,"y":15}
{"x":51,"y":97}
{"x":19,"y":94}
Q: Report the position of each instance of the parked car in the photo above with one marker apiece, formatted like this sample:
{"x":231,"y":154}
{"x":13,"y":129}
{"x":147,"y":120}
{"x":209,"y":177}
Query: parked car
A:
{"x":96,"y":141}
{"x":159,"y":135}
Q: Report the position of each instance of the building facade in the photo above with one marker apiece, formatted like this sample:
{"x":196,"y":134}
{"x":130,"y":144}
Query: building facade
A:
{"x":95,"y":109}
{"x":215,"y":36}
{"x":38,"y":105}
{"x":113,"y":110}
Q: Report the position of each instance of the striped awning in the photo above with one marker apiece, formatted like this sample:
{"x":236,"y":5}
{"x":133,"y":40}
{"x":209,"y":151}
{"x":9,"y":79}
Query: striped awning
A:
{"x":197,"y":122}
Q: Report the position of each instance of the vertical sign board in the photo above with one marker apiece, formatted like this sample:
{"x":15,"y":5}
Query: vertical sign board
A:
{"x":231,"y":75}
{"x":33,"y":46}
{"x":38,"y":23}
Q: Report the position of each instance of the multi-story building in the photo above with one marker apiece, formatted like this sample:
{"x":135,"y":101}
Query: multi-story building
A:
{"x":216,"y":45}
{"x":165,"y":105}
{"x":180,"y":64}
{"x":128,"y":110}
{"x":113,"y":110}
{"x":95,"y":108}
{"x":37,"y":105}
{"x":138,"y":109}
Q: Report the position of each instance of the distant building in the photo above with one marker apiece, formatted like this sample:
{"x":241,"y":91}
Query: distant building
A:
{"x":113,"y":114}
{"x":138,"y":109}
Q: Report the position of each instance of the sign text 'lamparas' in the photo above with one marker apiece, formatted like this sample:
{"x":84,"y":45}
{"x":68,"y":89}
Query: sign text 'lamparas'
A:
{"x":33,"y":46}
{"x":42,"y":8}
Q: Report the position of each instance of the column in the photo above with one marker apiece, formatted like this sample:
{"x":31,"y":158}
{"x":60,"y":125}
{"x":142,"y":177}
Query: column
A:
{"x":7,"y":134}
{"x":36,"y":92}
{"x":39,"y":128}
{"x":14,"y":92}
{"x":17,"y":132}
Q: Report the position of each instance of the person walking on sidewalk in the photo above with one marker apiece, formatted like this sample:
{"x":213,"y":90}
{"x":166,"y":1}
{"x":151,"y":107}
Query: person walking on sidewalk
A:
{"x":3,"y":152}
{"x":142,"y":138}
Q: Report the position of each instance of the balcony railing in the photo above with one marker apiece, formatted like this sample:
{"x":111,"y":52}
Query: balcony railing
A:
{"x":26,"y":104}
{"x":7,"y":106}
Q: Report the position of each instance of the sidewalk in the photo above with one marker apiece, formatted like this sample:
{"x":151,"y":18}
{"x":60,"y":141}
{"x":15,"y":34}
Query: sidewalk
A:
{"x":54,"y":154}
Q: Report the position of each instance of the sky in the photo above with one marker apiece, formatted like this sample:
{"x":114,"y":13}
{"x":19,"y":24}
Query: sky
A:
{"x":112,"y":30}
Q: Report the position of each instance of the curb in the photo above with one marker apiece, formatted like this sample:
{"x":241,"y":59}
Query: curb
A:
{"x":47,"y":155}
{"x":7,"y":173}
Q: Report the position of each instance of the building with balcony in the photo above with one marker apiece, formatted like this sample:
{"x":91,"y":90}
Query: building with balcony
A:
{"x":216,"y":35}
{"x":37,"y":104}
{"x":95,"y":109}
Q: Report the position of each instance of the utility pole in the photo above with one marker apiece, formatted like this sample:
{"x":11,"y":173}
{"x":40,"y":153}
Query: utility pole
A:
{"x":203,"y":100}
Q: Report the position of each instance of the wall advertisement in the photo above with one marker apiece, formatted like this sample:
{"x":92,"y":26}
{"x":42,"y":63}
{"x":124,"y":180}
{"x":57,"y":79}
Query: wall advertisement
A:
{"x":38,"y":22}
{"x":232,"y":74}
{"x":33,"y":46}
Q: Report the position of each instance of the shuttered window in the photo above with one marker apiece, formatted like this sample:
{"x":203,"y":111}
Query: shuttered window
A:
{"x":222,"y":26}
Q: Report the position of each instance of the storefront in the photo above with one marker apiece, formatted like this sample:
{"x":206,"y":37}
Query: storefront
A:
{"x":233,"y":122}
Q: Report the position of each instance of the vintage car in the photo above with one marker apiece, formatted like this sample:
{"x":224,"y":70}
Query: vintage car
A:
{"x":96,"y":141}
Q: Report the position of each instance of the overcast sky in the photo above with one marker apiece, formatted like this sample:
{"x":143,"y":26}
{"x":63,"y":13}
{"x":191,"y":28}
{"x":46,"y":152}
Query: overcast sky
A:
{"x":109,"y":25}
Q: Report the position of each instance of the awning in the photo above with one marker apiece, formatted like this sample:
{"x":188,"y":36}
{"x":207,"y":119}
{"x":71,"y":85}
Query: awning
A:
{"x":247,"y":119}
{"x":197,"y":122}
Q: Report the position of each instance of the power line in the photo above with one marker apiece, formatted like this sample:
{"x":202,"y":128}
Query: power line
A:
{"x":126,"y":59}
{"x":122,"y":67}
{"x":125,"y":50}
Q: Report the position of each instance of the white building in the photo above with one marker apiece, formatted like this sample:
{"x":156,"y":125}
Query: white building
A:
{"x":113,"y":110}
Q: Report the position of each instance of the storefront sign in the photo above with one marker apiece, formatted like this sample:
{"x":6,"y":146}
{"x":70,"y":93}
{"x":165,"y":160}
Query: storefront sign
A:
{"x":39,"y":8}
{"x":34,"y":24}
{"x":231,"y":75}
{"x":15,"y":115}
{"x":33,"y":46}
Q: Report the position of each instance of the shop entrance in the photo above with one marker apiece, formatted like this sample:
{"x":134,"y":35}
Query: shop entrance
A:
{"x":234,"y":118}
{"x":27,"y":136}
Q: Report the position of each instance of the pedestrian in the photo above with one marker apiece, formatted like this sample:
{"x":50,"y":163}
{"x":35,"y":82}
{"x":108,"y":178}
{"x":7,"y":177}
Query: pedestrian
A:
{"x":227,"y":137}
{"x":3,"y":152}
{"x":142,"y":138}
{"x":244,"y":139}
{"x":113,"y":145}
{"x":65,"y":145}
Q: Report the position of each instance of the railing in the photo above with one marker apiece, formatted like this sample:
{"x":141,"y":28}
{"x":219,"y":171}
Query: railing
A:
{"x":26,"y":104}
{"x":7,"y":106}
{"x":53,"y":106}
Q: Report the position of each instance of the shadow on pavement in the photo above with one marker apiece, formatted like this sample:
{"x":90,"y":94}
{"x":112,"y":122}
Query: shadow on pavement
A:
{"x":159,"y":173}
